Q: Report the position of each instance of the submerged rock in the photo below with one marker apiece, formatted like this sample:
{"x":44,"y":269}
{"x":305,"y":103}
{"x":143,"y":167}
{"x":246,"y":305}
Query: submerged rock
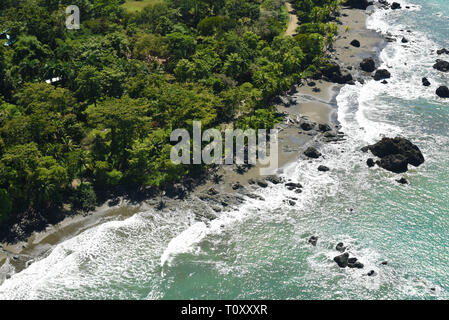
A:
{"x":402,"y":181}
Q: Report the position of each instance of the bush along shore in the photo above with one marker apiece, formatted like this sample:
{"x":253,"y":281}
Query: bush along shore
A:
{"x":86,"y":115}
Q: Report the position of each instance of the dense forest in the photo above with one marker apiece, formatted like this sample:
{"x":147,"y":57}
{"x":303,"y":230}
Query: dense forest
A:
{"x":127,"y":78}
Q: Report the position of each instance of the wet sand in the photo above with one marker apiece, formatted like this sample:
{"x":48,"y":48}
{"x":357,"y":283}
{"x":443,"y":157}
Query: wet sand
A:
{"x":315,"y":103}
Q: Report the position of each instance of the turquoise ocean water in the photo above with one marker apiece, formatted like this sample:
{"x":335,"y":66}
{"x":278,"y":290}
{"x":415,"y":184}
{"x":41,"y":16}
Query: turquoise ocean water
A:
{"x":260,"y":251}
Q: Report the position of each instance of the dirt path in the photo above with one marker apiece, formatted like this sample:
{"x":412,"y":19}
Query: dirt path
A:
{"x":292,"y":20}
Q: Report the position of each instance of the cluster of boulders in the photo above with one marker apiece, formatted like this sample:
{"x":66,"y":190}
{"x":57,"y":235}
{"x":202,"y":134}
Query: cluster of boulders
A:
{"x":333,"y":73}
{"x":386,"y":5}
{"x":358,"y":4}
{"x":369,"y":65}
{"x":443,"y":66}
{"x":395,"y":154}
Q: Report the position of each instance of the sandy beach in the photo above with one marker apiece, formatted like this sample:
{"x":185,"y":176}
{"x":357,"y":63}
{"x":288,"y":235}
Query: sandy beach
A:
{"x":315,"y":103}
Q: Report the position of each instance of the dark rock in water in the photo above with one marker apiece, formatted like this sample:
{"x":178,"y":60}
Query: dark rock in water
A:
{"x":291,"y":203}
{"x":323,"y":168}
{"x":293,"y":185}
{"x":313,"y":240}
{"x":404,"y":40}
{"x":8,"y":276}
{"x":262,"y":184}
{"x":385,"y":82}
{"x":384,"y":263}
{"x":370,"y":162}
{"x":441,"y":65}
{"x":352,"y":260}
{"x":251,"y":181}
{"x":371,"y":273}
{"x":298,"y":191}
{"x":340,"y":247}
{"x":396,"y":153}
{"x":311,"y":84}
{"x":395,"y":6}
{"x":307,"y":126}
{"x":368,"y":65}
{"x":342,"y":260}
{"x":443,"y":92}
{"x":313,"y":153}
{"x":402,"y":181}
{"x":356,"y":265}
{"x":274,"y":179}
{"x":324,"y":127}
{"x":357,"y":4}
{"x":381,"y":74}
{"x":355,"y":43}
{"x":396,"y":163}
{"x":425,"y":82}
{"x":443,"y":51}
{"x":330,"y":134}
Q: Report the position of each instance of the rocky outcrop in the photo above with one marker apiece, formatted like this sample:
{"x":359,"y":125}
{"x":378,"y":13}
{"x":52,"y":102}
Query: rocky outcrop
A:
{"x":342,"y":260}
{"x":340,"y":247}
{"x":395,"y":154}
{"x":313,"y":240}
{"x":402,"y":181}
{"x":425,"y":82}
{"x":395,"y":6}
{"x":357,"y":4}
{"x":370,"y":162}
{"x":443,"y":92}
{"x":442,"y":51}
{"x":382,"y":74}
{"x":333,"y":73}
{"x":313,"y":153}
{"x":368,"y":65}
{"x":441,"y":65}
{"x":323,"y":169}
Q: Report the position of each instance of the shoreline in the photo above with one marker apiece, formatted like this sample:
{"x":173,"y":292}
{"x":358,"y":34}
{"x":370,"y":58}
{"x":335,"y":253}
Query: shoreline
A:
{"x":315,"y":103}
